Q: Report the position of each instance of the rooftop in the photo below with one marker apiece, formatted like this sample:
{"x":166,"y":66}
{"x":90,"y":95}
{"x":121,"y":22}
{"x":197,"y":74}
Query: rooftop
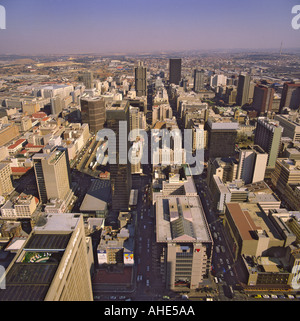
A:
{"x":242,"y":220}
{"x":249,"y":218}
{"x":181,"y":219}
{"x":32,"y":272}
{"x":97,"y":197}
{"x":66,"y":222}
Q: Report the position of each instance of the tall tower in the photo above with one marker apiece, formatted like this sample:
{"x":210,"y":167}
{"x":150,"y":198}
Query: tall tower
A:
{"x":198,"y":80}
{"x":243,"y":89}
{"x":120,"y":172}
{"x":268,"y":136}
{"x":174,"y":71}
{"x":141,"y":80}
{"x":52,"y":173}
{"x":252,"y":164}
{"x":290,"y":96}
{"x":221,"y":137}
{"x":87,"y":78}
{"x":263,"y":98}
{"x":93,"y":112}
{"x":6,"y":186}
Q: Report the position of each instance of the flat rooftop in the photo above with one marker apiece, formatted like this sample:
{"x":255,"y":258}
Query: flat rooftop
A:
{"x":242,"y":220}
{"x":32,"y":272}
{"x":249,"y":218}
{"x":65,"y":222}
{"x":181,"y":218}
{"x":117,"y":105}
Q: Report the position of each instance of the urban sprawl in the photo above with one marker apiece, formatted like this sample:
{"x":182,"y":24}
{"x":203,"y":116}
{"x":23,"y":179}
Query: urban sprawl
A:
{"x":81,"y":222}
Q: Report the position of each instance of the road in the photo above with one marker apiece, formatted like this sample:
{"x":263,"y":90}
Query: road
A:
{"x":146,"y":276}
{"x":223,"y":266}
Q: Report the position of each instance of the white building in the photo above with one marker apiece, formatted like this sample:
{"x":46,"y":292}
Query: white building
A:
{"x":252,"y":165}
{"x":218,"y":80}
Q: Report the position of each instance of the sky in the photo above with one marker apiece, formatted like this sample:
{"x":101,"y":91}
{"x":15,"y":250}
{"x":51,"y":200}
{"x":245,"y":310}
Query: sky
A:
{"x":133,"y":26}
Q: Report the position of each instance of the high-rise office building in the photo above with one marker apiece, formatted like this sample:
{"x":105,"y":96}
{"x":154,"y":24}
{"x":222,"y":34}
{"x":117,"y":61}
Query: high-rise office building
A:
{"x":252,"y":164}
{"x":87,"y":79}
{"x":198,"y":80}
{"x":290,"y":125}
{"x":175,"y":71}
{"x":137,"y":119}
{"x":140,"y":80}
{"x":263,"y":99}
{"x":290,"y":96}
{"x":6,"y":186}
{"x":230,"y":95}
{"x":93,"y":112}
{"x":161,"y":112}
{"x":56,"y":105}
{"x":221,"y":135}
{"x":52,"y":173}
{"x":120,"y":172}
{"x":225,"y":168}
{"x":287,"y":172}
{"x":54,"y":263}
{"x":218,"y":80}
{"x":267,"y":136}
{"x":242,"y":96}
{"x":285,"y":178}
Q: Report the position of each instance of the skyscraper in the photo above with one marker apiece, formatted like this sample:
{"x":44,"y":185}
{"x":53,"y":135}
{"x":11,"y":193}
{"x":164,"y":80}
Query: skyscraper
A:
{"x":243,"y":89}
{"x":263,"y":98}
{"x":56,"y":105}
{"x":52,"y":173}
{"x":198,"y":80}
{"x":290,"y":96}
{"x":221,"y":137}
{"x":268,"y":136}
{"x":252,"y":164}
{"x":93,"y":112}
{"x":175,"y":71}
{"x":6,"y":186}
{"x":141,"y":80}
{"x":218,"y":80}
{"x":54,"y":263}
{"x":87,"y":79}
{"x":120,"y":172}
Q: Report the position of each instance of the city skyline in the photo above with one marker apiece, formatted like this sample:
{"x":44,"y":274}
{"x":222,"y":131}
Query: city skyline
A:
{"x":146,"y":26}
{"x":150,"y":151}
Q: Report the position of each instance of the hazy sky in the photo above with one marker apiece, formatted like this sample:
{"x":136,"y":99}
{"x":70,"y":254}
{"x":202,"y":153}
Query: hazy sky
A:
{"x":97,"y":26}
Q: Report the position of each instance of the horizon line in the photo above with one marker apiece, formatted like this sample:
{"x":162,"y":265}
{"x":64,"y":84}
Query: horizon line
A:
{"x":161,"y":52}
